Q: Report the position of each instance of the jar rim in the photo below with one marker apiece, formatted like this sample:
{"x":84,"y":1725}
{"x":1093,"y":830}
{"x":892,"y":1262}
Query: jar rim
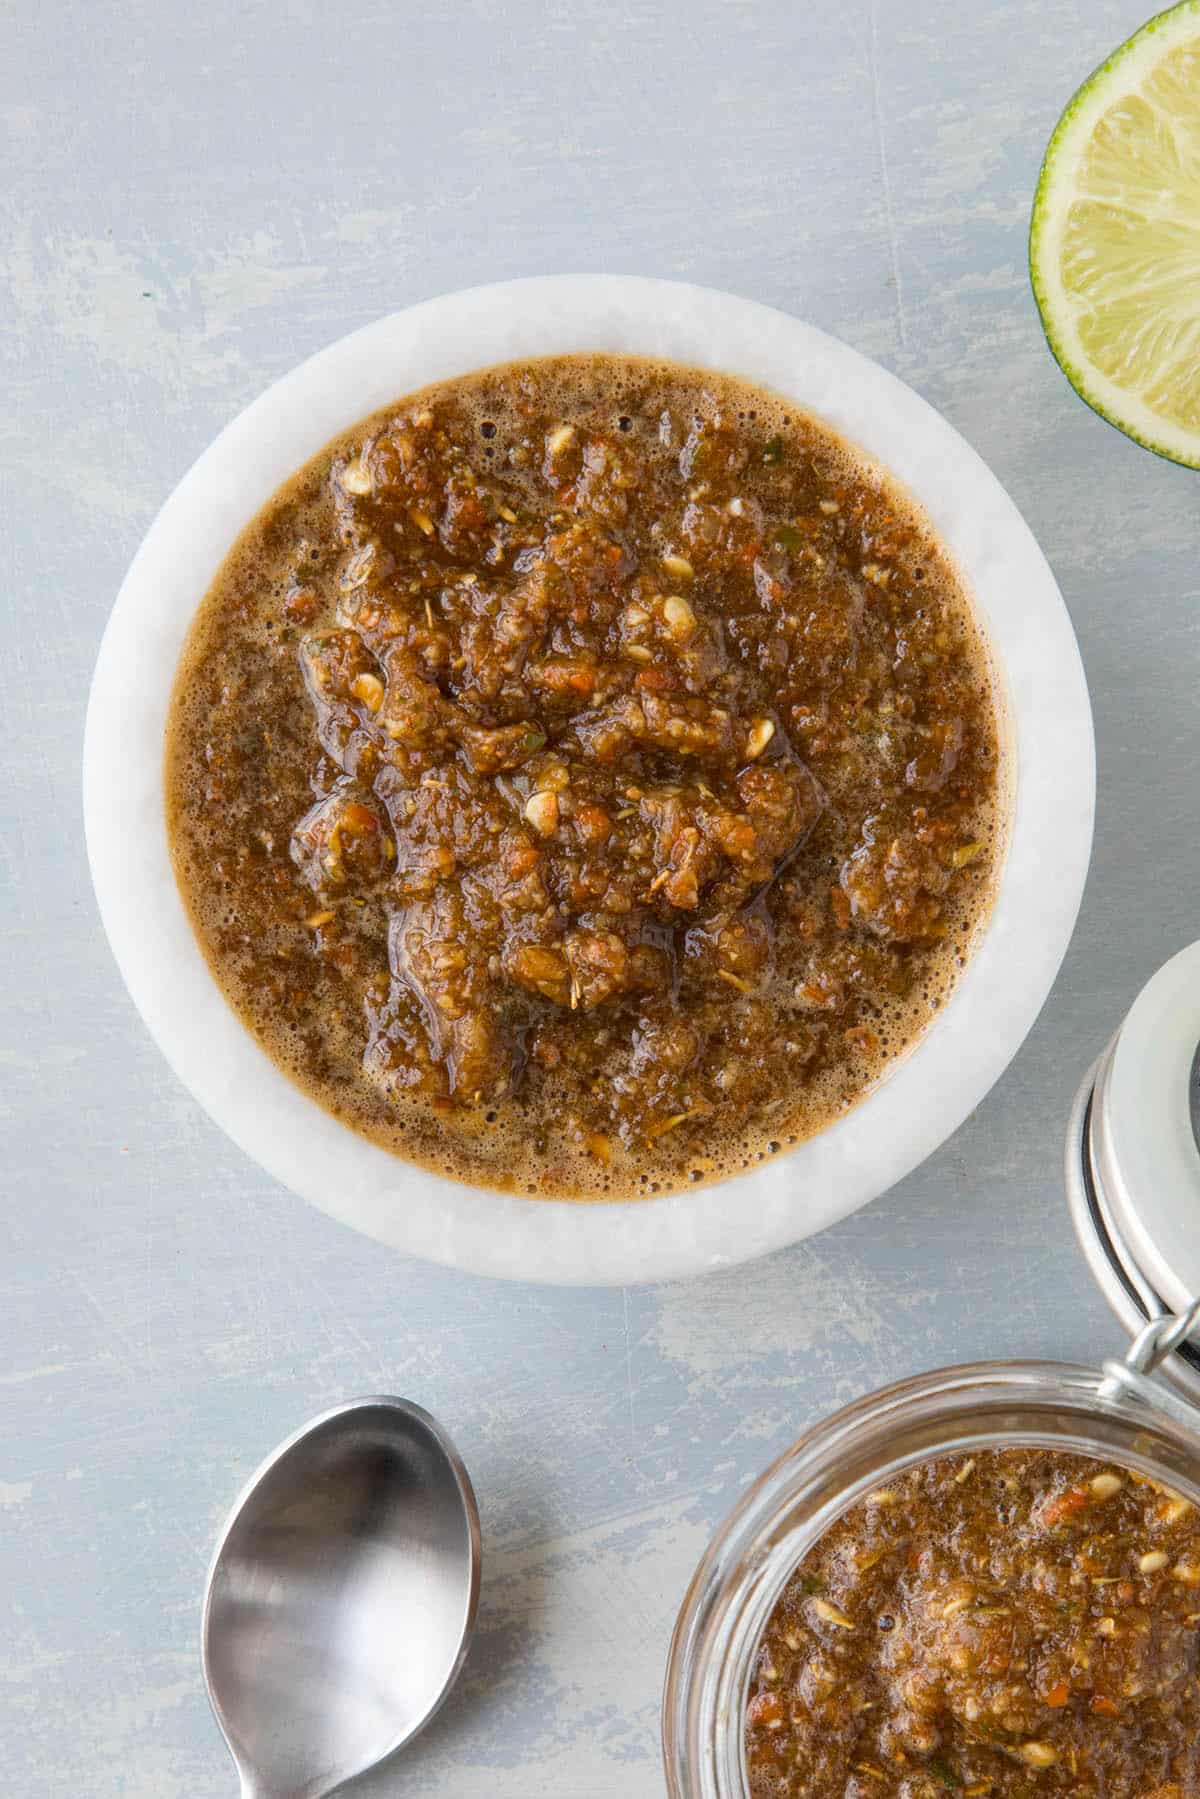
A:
{"x":832,"y":1464}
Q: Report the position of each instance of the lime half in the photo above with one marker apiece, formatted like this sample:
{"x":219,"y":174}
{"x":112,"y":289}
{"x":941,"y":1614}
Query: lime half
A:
{"x":1114,"y":247}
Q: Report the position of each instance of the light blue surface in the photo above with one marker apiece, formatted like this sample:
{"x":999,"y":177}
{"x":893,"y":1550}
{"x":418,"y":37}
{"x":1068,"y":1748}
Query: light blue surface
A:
{"x":198,"y":198}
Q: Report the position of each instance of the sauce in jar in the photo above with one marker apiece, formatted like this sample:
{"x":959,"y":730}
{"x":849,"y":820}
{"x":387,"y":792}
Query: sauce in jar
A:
{"x":1016,"y":1622}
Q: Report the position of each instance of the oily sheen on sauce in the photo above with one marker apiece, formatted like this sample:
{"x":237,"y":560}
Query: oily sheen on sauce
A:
{"x":584,"y":777}
{"x":1015,"y":1622}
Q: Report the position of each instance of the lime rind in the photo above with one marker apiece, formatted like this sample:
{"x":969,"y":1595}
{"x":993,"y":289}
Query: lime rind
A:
{"x":1118,"y":77}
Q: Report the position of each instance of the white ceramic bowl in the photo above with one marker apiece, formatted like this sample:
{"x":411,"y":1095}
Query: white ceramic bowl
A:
{"x":928,"y":1094}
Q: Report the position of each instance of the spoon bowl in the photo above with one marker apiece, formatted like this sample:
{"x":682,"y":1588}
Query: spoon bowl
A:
{"x":341,"y":1598}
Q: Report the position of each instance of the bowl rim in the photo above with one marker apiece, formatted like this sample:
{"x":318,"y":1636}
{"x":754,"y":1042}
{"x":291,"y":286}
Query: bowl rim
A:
{"x":791,"y":1196}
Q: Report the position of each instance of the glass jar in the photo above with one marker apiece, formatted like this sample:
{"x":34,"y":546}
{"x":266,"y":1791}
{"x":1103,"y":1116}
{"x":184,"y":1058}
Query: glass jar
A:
{"x":1115,"y":1414}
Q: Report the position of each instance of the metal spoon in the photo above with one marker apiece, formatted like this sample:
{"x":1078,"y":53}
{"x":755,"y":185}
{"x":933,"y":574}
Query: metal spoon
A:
{"x":341,"y":1598}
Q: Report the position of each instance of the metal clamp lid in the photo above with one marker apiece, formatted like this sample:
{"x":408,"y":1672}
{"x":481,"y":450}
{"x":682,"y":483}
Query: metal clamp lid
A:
{"x":1132,"y":1375}
{"x":1133,"y":1180}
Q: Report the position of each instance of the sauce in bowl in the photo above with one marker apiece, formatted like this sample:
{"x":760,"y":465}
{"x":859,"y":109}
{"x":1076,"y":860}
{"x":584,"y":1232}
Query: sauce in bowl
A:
{"x":584,"y":777}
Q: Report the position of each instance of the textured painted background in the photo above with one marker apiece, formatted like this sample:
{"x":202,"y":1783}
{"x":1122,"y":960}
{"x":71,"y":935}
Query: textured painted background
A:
{"x":194,"y":199}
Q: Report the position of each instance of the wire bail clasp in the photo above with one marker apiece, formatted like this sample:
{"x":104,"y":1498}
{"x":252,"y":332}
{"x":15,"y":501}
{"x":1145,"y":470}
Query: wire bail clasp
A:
{"x":1156,"y":1340}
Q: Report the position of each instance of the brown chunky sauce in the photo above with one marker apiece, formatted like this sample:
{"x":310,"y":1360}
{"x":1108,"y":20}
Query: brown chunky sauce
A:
{"x":583,"y":777}
{"x":1017,"y":1622}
